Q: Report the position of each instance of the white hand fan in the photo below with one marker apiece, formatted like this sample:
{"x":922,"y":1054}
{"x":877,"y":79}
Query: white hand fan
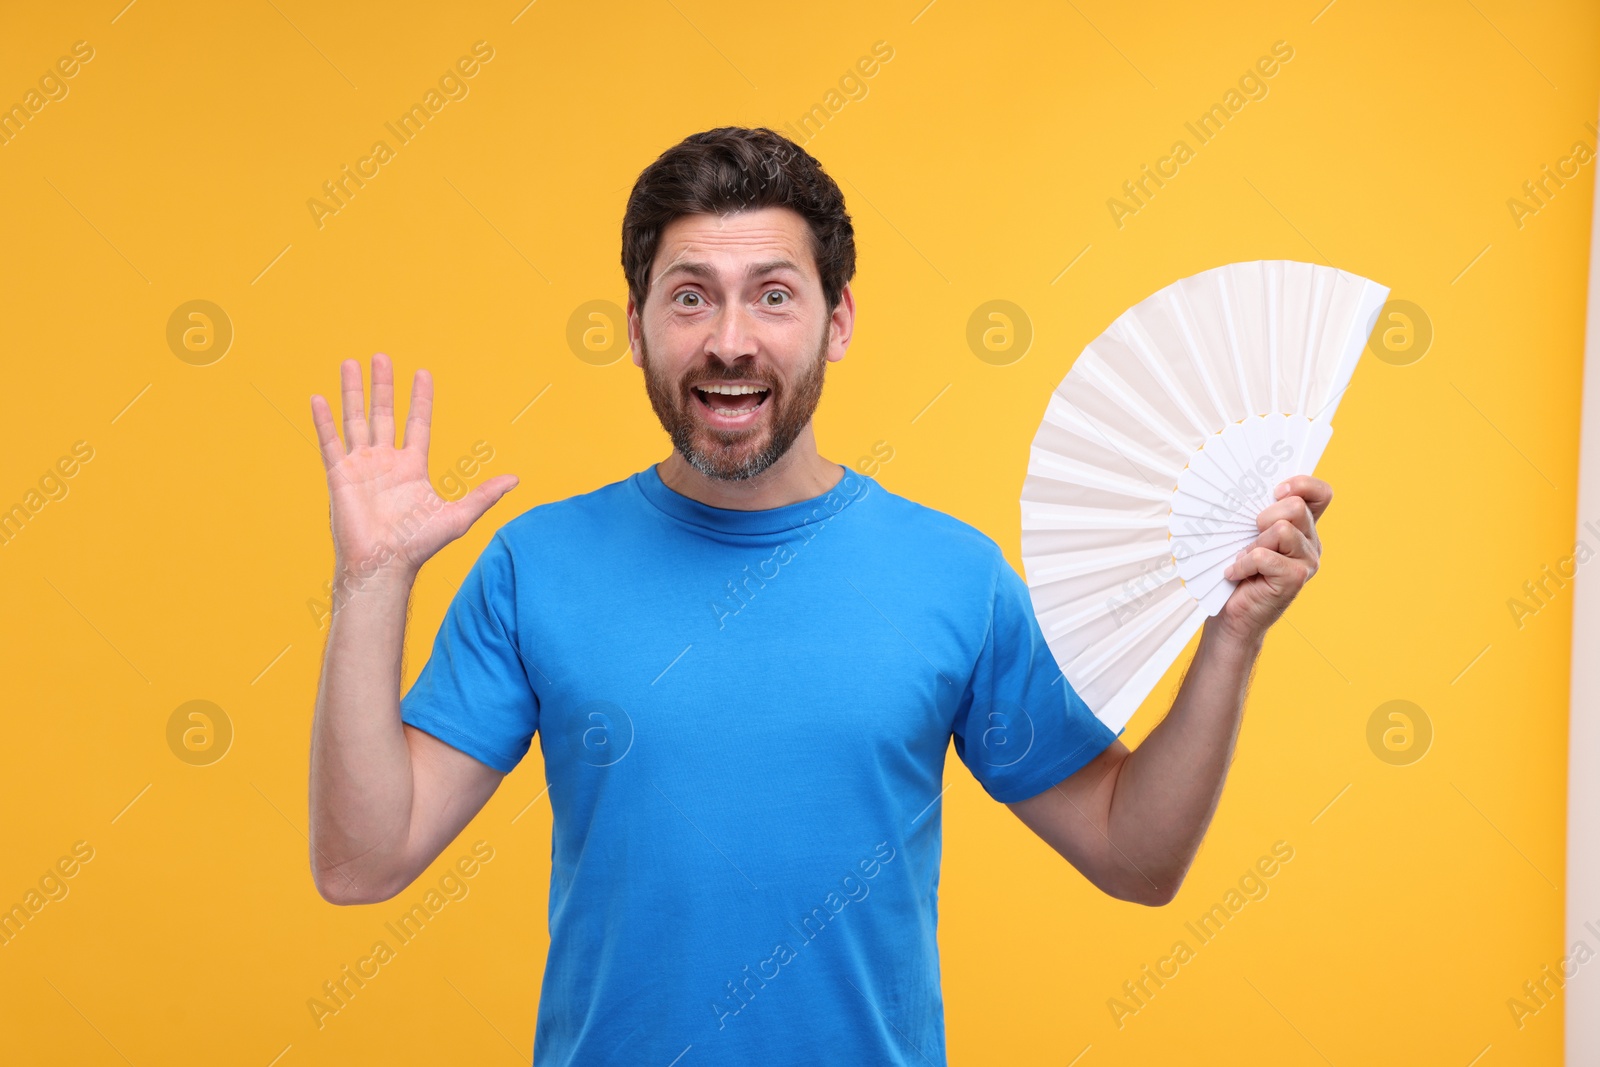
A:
{"x":1161,"y":446}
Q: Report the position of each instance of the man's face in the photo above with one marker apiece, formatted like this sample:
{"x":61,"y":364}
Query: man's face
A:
{"x":734,"y":336}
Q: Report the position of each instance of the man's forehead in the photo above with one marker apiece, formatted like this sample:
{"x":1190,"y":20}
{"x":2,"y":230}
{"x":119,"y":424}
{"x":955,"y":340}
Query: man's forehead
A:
{"x":768,"y":236}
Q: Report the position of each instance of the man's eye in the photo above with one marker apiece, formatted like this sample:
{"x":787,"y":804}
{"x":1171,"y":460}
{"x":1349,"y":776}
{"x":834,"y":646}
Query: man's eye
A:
{"x":691,"y":294}
{"x":778,"y":293}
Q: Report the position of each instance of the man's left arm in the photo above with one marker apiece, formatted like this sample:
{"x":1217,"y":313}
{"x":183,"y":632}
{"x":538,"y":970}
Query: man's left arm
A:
{"x":1132,"y":821}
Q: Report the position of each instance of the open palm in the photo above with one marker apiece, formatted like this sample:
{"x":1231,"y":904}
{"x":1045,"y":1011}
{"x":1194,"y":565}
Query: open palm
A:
{"x":387,"y":520}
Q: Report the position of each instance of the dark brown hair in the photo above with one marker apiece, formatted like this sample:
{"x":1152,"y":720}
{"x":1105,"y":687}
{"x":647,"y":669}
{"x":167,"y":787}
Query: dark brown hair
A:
{"x":737,"y":168}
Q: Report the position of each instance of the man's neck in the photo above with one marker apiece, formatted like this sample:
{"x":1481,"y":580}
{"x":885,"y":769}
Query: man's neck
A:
{"x":797,"y":475}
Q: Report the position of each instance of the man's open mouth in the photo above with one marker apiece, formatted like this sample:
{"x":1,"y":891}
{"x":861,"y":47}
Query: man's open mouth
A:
{"x":731,"y":401}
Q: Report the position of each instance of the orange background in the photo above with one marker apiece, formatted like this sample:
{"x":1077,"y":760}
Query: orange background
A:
{"x":978,"y":164}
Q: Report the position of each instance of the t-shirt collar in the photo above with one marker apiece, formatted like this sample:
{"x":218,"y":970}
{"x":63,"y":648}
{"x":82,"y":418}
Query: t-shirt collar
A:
{"x":849,"y":488}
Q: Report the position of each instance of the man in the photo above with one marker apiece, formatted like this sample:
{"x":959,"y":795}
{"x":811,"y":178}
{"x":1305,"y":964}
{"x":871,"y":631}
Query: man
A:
{"x":744,"y":665}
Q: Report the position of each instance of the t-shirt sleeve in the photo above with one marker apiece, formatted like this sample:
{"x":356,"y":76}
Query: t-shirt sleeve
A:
{"x":1020,"y":727}
{"x":474,"y":692}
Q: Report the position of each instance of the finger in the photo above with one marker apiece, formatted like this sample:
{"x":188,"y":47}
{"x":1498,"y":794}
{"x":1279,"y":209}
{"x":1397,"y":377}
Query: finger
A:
{"x":1268,"y":564}
{"x":1317,"y":493}
{"x":1285,"y":537}
{"x":327,"y":435}
{"x":356,"y":433}
{"x":1293,"y":509}
{"x":1282,"y":537}
{"x":382,"y":401}
{"x":470,"y":508}
{"x":420,"y":417}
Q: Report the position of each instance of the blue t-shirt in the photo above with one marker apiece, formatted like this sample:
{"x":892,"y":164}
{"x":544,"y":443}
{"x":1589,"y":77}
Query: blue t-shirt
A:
{"x":744,"y":717}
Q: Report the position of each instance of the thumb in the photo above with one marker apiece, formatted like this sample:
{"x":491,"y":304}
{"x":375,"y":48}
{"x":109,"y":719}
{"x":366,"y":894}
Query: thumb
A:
{"x":472,"y":506}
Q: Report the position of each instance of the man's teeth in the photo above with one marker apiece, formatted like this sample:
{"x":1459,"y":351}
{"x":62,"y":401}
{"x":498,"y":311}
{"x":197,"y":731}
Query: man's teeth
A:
{"x":714,"y":392}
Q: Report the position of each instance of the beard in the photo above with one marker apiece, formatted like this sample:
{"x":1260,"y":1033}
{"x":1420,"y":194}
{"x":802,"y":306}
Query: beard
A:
{"x":735,"y":455}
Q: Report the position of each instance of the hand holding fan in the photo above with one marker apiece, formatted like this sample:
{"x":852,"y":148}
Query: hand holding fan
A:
{"x":1161,"y":446}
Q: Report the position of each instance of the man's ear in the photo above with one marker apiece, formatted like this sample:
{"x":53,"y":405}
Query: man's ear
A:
{"x":634,"y":328}
{"x":841,"y":325}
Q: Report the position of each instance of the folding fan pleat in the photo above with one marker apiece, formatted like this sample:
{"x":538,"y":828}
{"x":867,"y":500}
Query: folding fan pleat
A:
{"x":1160,"y":447}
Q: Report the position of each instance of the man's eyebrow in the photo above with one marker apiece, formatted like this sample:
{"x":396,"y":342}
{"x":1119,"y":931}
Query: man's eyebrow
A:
{"x":704,"y":270}
{"x":771,"y":266}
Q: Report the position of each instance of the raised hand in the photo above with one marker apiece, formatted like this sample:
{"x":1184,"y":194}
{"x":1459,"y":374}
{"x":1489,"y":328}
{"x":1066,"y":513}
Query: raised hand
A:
{"x":387,"y":520}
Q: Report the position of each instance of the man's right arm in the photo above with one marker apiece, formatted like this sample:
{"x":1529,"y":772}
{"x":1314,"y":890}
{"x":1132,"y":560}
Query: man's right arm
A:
{"x":385,"y":797}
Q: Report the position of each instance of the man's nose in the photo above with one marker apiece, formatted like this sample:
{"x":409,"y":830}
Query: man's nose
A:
{"x":732,"y":333}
